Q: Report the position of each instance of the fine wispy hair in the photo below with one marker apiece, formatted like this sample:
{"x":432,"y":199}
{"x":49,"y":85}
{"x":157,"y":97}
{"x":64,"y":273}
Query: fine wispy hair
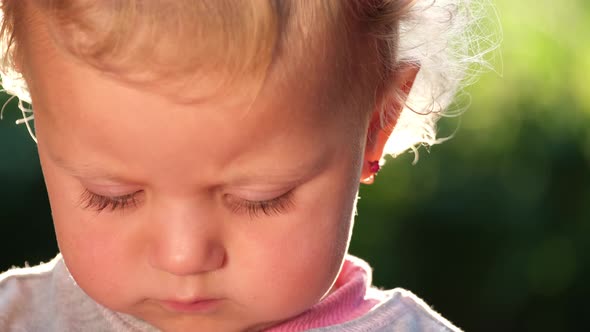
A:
{"x":449,"y":40}
{"x":453,"y":42}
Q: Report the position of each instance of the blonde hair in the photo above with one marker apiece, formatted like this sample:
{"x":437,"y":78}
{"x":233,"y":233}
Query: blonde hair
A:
{"x":242,"y":38}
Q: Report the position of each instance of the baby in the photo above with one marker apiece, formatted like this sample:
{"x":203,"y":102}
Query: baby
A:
{"x":203,"y":158}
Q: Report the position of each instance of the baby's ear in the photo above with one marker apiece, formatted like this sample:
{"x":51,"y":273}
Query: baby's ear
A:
{"x":390,"y":100}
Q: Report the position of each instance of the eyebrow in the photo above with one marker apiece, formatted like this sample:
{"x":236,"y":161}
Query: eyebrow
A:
{"x":85,"y":170}
{"x":292,"y":173}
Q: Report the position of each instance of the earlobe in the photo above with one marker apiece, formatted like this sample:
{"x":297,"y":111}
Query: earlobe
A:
{"x":374,"y":167}
{"x":390,"y":101}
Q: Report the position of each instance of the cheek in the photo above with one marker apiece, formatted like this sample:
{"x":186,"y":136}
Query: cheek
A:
{"x":91,"y":249}
{"x":298,"y":259}
{"x":96,"y":257}
{"x":93,"y":256}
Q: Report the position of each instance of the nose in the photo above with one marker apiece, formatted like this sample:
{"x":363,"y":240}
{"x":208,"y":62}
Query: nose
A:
{"x":186,"y":244}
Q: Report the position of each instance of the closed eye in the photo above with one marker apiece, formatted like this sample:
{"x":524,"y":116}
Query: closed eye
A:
{"x":98,"y":203}
{"x":254,"y":209}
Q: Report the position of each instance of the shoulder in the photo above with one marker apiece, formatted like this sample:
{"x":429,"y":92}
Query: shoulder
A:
{"x":46,"y":298}
{"x":21,"y":285}
{"x":401,"y":311}
{"x":407,"y":310}
{"x":25,"y":293}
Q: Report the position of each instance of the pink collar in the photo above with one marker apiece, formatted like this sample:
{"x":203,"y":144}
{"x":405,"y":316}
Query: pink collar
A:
{"x":351,"y":298}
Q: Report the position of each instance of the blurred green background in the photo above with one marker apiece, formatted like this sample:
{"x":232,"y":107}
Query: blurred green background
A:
{"x":491,"y":228}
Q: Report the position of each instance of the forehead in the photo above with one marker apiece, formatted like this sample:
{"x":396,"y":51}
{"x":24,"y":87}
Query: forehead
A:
{"x":290,"y":88}
{"x":85,"y":116}
{"x":311,"y":36}
{"x":318,"y":61}
{"x":303,"y":106}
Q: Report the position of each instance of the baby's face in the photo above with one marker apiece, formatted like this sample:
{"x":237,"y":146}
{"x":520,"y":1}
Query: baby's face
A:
{"x":219,"y":215}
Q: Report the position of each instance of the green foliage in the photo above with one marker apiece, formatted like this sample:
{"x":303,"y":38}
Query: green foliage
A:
{"x":493,"y":226}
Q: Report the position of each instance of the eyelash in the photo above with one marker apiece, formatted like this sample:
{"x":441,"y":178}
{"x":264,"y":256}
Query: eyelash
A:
{"x":96,"y":202}
{"x":272,"y":207}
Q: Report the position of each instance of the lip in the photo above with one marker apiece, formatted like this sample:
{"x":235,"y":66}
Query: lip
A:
{"x":194,"y":306}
